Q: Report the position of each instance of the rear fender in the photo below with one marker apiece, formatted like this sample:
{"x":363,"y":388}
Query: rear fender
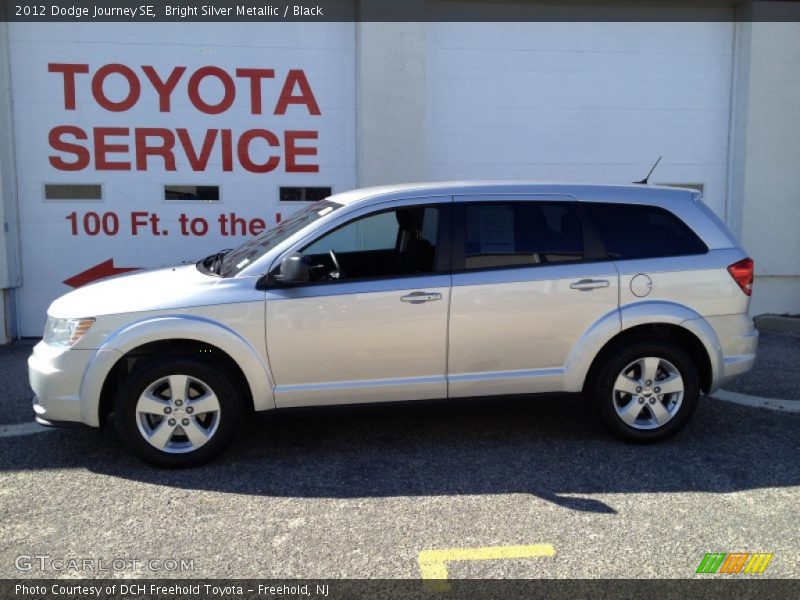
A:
{"x":651,"y":312}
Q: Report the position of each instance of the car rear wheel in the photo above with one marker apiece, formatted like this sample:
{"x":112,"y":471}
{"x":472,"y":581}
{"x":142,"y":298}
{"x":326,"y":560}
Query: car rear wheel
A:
{"x":647,"y":392}
{"x":177,"y":411}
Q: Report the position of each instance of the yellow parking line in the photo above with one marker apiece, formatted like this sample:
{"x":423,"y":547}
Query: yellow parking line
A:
{"x":432,"y":563}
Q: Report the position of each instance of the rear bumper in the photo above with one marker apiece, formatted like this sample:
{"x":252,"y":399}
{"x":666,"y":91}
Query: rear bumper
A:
{"x":738,"y":339}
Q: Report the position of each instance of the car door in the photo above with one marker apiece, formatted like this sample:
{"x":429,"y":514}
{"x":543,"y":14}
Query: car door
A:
{"x":371,"y":325}
{"x":529,"y":280}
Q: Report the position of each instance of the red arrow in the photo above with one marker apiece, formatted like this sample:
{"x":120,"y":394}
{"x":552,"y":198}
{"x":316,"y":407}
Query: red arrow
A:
{"x":99,"y":271}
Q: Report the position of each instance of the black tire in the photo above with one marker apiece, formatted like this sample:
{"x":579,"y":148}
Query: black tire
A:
{"x":202,"y":373}
{"x":608,"y":401}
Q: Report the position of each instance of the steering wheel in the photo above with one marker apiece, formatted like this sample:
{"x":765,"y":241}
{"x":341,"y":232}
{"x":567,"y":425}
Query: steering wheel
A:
{"x":336,"y":264}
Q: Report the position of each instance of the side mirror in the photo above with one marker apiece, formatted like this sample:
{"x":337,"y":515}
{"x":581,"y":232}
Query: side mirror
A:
{"x":294,"y":269}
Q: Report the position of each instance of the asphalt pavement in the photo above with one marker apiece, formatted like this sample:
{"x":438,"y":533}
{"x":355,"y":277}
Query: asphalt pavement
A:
{"x":360,"y":493}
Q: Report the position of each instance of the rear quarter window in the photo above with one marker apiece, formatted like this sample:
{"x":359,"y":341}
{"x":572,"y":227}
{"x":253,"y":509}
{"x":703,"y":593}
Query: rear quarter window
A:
{"x":638,"y":231}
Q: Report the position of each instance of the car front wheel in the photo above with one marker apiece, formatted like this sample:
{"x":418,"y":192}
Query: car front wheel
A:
{"x":647,"y":392}
{"x":177,"y":411}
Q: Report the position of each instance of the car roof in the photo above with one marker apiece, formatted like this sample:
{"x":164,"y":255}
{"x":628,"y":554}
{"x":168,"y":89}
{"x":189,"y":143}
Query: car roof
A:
{"x":636,"y":193}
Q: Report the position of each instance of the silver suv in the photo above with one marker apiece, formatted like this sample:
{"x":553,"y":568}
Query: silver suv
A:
{"x":637,"y":295}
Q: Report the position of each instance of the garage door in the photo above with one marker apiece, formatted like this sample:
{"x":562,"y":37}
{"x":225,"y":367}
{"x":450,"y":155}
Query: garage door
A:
{"x":139,"y":147}
{"x":594,"y":102}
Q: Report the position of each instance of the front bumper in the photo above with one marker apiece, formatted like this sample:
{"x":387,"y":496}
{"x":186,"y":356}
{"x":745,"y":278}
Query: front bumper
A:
{"x":55,"y":375}
{"x":52,"y":422}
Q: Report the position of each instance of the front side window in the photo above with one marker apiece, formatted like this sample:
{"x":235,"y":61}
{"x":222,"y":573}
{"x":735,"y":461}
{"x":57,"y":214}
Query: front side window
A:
{"x":513,"y":234}
{"x":385,"y":244}
{"x":641,"y":231}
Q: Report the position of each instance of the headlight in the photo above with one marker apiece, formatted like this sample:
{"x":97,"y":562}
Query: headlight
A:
{"x":65,"y":332}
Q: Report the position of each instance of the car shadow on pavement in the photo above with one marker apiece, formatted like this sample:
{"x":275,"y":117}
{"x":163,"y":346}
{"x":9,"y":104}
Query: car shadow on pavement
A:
{"x":553,"y":448}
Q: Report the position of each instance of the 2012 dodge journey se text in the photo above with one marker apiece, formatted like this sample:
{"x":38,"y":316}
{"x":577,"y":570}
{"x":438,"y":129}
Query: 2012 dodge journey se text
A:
{"x":636,"y":295}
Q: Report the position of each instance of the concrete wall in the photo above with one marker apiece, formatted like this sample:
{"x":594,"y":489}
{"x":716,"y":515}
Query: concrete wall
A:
{"x":10,"y":272}
{"x":765,"y":160}
{"x":390,"y":102}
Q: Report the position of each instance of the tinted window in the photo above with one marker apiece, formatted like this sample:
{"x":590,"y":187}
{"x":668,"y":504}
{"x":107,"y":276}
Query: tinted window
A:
{"x":520,"y":233}
{"x":69,"y":191}
{"x":203,"y":193}
{"x":636,"y":231}
{"x":386,"y":244}
{"x":304,"y":194}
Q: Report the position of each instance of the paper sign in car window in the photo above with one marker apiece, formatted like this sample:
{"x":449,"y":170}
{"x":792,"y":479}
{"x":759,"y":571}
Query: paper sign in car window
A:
{"x":497,"y":230}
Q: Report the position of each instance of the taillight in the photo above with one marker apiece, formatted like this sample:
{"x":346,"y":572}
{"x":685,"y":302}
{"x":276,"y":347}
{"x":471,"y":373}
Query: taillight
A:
{"x":742,"y":273}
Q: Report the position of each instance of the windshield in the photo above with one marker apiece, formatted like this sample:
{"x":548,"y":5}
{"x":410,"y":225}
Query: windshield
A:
{"x":253,"y":249}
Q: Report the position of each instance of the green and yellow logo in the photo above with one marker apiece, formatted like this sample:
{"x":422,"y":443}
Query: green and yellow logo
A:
{"x":734,"y":562}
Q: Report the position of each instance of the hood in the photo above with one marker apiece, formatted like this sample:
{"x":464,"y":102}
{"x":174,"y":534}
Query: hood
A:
{"x":159,"y":289}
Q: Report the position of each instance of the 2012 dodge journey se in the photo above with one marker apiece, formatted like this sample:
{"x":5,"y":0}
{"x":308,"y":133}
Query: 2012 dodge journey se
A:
{"x":636,"y":295}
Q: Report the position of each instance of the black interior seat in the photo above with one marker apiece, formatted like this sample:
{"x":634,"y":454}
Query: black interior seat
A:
{"x":414,"y":254}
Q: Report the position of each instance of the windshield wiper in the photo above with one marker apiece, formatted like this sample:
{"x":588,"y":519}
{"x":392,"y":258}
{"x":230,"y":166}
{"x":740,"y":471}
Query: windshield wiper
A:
{"x":213,"y":262}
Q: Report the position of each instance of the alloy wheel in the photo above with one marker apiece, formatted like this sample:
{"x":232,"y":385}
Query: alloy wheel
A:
{"x":177,"y":413}
{"x":648,"y":393}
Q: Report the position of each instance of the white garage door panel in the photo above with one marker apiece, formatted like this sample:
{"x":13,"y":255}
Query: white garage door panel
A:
{"x":51,"y":254}
{"x":580,"y":101}
{"x":552,"y":136}
{"x":581,"y":80}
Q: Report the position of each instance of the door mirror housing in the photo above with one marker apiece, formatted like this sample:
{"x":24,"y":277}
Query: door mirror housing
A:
{"x":293,"y":270}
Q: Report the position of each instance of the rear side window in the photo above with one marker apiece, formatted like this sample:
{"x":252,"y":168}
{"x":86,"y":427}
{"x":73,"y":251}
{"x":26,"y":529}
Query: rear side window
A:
{"x":513,"y":234}
{"x":637,"y":231}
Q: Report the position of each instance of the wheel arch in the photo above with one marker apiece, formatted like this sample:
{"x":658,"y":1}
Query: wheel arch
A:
{"x":675,"y":334}
{"x":653,"y":320}
{"x":173,"y":335}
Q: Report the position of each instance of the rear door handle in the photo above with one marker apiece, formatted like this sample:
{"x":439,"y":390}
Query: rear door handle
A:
{"x":585,"y":285}
{"x":420,"y":297}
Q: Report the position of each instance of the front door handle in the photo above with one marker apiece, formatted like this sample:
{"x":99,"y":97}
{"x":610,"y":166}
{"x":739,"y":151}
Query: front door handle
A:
{"x":589,"y":284}
{"x":420,"y":297}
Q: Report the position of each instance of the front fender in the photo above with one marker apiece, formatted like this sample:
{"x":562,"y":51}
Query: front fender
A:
{"x":163,"y":328}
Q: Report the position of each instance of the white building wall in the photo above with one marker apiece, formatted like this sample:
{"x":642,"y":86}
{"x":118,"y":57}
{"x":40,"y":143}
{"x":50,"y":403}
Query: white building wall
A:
{"x":717,"y":99}
{"x":10,"y":274}
{"x":323,"y":52}
{"x":422,"y":91}
{"x":769,"y":164}
{"x":391,"y":129}
{"x":581,"y":101}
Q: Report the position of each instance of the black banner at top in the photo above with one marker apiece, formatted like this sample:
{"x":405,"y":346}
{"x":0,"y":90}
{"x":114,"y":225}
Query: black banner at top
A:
{"x":147,"y":11}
